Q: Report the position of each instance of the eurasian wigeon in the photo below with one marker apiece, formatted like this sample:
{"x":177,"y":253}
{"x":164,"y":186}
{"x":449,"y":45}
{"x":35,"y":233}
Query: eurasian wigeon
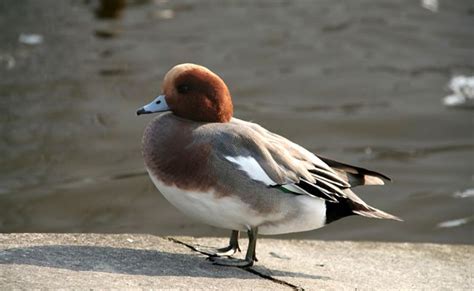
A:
{"x":237,"y":175}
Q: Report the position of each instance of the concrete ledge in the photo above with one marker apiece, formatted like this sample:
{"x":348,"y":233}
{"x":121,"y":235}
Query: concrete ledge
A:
{"x":100,"y":261}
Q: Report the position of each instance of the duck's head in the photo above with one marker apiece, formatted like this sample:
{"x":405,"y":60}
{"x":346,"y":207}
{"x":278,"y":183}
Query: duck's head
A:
{"x":193,"y":92}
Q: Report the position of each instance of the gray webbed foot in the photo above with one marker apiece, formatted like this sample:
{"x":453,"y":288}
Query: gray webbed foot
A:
{"x":250,"y":256}
{"x":231,"y":262}
{"x":230,"y":250}
{"x":217,"y":252}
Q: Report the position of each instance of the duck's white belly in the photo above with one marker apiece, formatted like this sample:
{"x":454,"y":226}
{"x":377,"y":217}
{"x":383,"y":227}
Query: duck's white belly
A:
{"x":310,"y":214}
{"x":224,"y":212}
{"x":232,"y":213}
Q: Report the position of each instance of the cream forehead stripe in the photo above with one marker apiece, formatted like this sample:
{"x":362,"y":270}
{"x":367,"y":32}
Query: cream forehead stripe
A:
{"x":253,"y":169}
{"x":179,"y":69}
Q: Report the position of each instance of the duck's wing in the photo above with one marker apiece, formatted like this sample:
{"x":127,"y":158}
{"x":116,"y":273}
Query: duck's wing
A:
{"x":279,"y":163}
{"x":266,"y":158}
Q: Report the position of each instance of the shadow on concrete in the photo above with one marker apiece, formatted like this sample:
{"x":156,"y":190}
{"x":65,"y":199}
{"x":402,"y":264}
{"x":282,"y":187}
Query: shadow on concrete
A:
{"x":127,"y":261}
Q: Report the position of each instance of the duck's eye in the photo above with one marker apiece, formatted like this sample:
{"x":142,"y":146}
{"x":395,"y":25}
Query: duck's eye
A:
{"x":183,"y":89}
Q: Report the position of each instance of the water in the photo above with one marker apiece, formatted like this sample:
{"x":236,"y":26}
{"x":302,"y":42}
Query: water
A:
{"x":361,"y":82}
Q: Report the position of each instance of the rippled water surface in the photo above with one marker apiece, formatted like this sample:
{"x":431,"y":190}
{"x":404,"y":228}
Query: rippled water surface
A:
{"x":360,"y":82}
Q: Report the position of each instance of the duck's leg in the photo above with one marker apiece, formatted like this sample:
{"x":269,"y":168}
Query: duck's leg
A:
{"x":229,"y":250}
{"x":250,"y":257}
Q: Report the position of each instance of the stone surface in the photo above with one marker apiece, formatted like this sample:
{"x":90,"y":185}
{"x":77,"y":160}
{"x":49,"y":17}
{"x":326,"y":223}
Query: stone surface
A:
{"x":98,"y":261}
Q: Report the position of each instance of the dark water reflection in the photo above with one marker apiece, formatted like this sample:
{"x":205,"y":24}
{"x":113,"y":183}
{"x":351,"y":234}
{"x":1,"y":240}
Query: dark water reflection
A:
{"x":360,"y":82}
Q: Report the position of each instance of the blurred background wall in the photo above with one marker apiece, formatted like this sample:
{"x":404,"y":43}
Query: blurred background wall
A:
{"x":358,"y":81}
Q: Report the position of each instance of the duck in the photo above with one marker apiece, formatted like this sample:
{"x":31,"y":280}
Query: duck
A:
{"x":237,"y":175}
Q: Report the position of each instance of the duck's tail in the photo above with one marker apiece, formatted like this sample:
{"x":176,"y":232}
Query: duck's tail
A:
{"x":369,"y":211}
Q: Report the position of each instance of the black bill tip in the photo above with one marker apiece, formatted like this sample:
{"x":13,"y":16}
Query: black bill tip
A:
{"x":142,"y":111}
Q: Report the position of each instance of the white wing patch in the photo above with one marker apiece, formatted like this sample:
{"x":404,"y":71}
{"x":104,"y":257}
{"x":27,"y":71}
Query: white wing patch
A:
{"x":253,"y":169}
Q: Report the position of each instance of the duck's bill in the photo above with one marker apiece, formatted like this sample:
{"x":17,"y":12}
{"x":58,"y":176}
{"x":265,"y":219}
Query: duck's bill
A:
{"x":158,"y":105}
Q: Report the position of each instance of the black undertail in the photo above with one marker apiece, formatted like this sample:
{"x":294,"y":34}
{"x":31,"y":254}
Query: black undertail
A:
{"x":338,"y":210}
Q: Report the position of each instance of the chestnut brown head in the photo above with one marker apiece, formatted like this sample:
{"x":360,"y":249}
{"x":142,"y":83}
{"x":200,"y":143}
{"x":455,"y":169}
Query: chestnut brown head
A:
{"x":193,"y":92}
